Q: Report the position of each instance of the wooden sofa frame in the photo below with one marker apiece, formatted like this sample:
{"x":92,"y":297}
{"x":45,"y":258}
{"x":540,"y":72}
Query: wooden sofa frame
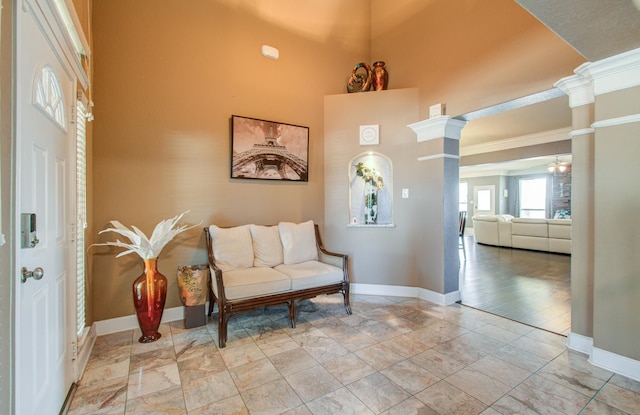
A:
{"x":226,"y":307}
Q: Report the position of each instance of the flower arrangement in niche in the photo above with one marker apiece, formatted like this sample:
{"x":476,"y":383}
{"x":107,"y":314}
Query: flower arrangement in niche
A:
{"x":372,"y":183}
{"x":150,"y":288}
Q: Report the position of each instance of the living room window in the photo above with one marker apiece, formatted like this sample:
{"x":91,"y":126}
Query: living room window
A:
{"x":533,"y":198}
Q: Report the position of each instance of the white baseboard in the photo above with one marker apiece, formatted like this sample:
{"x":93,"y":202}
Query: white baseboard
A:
{"x":580,"y":343}
{"x":85,"y":352}
{"x":440,"y":299}
{"x":604,"y":359}
{"x":114,"y":325}
{"x":402,"y":291}
{"x":616,"y":363}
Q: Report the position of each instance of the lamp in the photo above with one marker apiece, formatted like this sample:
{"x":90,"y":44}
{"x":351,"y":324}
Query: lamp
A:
{"x":556,"y":166}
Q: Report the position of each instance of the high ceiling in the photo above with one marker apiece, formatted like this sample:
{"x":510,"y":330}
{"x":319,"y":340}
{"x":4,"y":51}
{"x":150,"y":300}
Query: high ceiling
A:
{"x":597,"y":29}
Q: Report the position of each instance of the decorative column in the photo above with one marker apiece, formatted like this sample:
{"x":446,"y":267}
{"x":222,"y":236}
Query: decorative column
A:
{"x":581,"y":100}
{"x":439,"y":159}
{"x":605,"y":305}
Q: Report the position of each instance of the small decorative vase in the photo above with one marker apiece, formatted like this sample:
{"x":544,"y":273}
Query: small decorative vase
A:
{"x":149,"y":295}
{"x":379,"y":76}
{"x":370,"y":203}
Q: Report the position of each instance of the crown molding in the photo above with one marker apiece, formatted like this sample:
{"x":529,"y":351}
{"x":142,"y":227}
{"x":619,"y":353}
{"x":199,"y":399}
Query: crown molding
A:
{"x":611,"y":122}
{"x":439,"y":156}
{"x":582,"y":131}
{"x":438,"y":127}
{"x":597,"y":78}
{"x":517,"y":142}
{"x":615,"y":73}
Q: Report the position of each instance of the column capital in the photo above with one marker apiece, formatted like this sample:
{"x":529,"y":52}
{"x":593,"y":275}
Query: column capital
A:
{"x":438,"y":127}
{"x":578,"y":87}
{"x":597,"y":78}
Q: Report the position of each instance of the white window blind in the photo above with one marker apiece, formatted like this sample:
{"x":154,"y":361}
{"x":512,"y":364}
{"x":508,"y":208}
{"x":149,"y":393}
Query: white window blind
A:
{"x":81,"y":209}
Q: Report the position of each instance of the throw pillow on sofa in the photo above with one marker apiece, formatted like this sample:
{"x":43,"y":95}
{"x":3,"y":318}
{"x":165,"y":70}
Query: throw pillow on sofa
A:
{"x":298,"y":242}
{"x":267,"y":247}
{"x":232,"y":247}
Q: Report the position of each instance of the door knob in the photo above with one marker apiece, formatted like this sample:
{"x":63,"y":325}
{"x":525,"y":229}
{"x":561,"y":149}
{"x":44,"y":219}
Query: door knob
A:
{"x":36,"y":274}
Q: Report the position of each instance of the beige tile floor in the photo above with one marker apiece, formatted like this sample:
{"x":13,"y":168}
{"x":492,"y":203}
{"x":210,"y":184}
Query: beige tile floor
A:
{"x":393,"y":356}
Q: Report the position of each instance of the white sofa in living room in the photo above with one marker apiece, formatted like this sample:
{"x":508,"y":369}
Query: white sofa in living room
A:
{"x":552,"y":235}
{"x":492,"y":229}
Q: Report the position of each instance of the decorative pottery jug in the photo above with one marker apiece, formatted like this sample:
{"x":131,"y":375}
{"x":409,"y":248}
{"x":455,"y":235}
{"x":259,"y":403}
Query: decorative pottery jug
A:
{"x":379,"y":76}
{"x":360,"y":80}
{"x":149,"y":295}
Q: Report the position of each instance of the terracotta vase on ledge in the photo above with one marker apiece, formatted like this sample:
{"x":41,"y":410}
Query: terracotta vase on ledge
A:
{"x":149,"y":295}
{"x":379,"y":76}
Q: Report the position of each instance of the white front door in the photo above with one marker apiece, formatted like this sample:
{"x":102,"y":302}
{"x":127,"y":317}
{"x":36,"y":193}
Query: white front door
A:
{"x":484,"y":200}
{"x":45,"y":139}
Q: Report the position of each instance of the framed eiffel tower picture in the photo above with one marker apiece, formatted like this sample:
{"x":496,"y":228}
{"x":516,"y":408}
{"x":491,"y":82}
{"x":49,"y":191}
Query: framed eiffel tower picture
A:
{"x":268,"y":150}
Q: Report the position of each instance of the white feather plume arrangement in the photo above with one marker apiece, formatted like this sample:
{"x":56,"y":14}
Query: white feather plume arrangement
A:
{"x":139,"y":243}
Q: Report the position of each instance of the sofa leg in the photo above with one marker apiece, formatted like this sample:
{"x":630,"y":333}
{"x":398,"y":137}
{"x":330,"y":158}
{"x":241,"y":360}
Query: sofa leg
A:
{"x":223,"y":322}
{"x":347,"y":305}
{"x":292,"y":313}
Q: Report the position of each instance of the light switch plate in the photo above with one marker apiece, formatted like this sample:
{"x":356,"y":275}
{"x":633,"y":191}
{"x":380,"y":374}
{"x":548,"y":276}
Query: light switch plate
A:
{"x":405,"y":193}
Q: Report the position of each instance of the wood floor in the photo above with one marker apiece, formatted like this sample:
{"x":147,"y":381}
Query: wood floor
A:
{"x":526,"y":286}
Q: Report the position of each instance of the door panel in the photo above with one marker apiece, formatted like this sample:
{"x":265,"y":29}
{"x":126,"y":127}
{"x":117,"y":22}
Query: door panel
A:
{"x":45,"y":142}
{"x":484,"y":200}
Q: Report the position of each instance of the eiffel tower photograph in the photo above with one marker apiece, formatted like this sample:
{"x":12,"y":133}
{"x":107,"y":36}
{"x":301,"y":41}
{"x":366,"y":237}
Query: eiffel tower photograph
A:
{"x":268,"y":150}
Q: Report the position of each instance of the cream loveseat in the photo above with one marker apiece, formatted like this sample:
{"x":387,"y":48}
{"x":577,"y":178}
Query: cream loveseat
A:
{"x":551,"y":235}
{"x":254,"y":265}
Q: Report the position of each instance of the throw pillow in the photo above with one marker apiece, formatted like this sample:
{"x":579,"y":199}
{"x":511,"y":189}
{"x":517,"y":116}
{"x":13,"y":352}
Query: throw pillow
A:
{"x":232,"y":247}
{"x":298,"y":242}
{"x":267,"y":247}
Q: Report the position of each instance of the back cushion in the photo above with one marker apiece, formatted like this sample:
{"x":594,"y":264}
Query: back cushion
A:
{"x":232,"y":248}
{"x":267,"y":247}
{"x":298,"y":242}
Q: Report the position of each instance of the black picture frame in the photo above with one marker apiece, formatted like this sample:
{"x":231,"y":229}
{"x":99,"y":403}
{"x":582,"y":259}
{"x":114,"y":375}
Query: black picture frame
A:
{"x":268,"y":150}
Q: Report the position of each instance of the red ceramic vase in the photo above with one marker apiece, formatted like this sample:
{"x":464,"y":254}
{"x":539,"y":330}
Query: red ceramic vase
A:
{"x":380,"y":76}
{"x":149,"y":295}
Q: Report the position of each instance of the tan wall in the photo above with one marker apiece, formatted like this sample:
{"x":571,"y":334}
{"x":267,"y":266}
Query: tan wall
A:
{"x":167,"y":79}
{"x":389,"y":256}
{"x":468,"y":54}
{"x":616,"y":282}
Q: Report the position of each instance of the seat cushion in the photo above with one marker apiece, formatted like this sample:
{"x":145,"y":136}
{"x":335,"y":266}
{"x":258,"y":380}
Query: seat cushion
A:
{"x":232,"y":247}
{"x":311,"y":274}
{"x":267,"y":248}
{"x":254,"y":282}
{"x":529,"y":227}
{"x":298,"y":242}
{"x":560,"y":228}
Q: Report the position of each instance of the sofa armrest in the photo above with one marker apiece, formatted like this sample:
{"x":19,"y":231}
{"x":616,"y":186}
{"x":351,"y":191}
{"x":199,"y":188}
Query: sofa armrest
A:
{"x":331,"y":258}
{"x":217,"y":285}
